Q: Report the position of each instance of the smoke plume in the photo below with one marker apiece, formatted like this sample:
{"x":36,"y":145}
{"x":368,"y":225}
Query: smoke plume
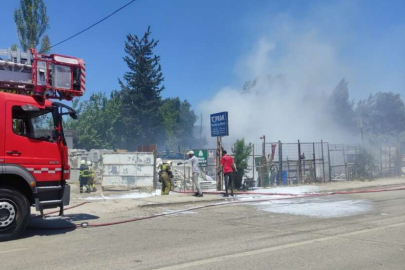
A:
{"x":291,"y":74}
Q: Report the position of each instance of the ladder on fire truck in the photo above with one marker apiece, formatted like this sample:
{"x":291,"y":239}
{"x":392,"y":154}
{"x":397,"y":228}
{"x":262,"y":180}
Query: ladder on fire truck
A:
{"x":51,"y":76}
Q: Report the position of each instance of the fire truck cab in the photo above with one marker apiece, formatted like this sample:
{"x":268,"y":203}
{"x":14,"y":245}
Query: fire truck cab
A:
{"x":33,"y":152}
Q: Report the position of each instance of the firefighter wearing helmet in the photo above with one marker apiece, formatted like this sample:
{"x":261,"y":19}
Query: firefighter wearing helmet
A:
{"x":84,"y":176}
{"x":165,"y":176}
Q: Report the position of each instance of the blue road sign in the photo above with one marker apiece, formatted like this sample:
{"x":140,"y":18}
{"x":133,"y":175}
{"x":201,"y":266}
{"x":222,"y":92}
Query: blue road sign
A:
{"x":219,"y":124}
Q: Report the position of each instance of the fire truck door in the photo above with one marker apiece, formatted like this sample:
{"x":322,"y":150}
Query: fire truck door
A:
{"x":29,"y":141}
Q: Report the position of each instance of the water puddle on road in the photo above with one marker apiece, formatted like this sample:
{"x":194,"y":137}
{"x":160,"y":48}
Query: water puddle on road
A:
{"x":316,"y":207}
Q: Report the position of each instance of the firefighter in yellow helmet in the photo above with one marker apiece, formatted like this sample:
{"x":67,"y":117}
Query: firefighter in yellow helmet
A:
{"x":165,"y":177}
{"x":84,"y":175}
{"x":91,"y":185}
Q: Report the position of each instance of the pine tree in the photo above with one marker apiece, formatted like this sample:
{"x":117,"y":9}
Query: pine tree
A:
{"x":32,"y":22}
{"x":341,"y":109}
{"x":140,"y":94}
{"x":45,"y":44}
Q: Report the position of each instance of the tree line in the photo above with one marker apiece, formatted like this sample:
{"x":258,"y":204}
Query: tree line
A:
{"x":380,"y":117}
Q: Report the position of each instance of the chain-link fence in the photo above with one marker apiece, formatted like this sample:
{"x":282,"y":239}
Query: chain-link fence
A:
{"x":353,"y":162}
{"x":342,"y":161}
{"x":278,"y":163}
{"x":292,"y":163}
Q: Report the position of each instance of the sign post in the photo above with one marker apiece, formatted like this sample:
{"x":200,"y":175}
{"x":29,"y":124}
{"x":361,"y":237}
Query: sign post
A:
{"x":219,"y":129}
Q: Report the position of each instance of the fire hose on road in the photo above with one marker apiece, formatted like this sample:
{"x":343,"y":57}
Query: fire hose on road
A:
{"x":226,"y":203}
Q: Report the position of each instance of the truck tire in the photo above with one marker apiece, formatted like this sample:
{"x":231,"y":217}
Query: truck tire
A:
{"x":14,"y":213}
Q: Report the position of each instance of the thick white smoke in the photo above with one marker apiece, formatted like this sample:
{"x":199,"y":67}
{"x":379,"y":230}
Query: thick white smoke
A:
{"x":295,"y":74}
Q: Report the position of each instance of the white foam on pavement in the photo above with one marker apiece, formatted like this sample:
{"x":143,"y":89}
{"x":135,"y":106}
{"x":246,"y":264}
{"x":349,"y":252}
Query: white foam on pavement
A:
{"x":300,"y":190}
{"x":289,"y":190}
{"x":317,"y":207}
{"x":178,"y":212}
{"x":131,"y":195}
{"x":258,"y":197}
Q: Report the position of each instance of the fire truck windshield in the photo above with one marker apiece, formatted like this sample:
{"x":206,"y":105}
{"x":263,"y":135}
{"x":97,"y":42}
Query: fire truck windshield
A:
{"x":33,"y":123}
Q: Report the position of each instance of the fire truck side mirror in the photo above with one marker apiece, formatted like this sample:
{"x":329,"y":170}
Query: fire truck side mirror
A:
{"x":73,"y":115}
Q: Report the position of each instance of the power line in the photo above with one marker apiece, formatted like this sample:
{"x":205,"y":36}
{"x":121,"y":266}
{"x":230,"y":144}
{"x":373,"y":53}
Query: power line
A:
{"x":91,"y":26}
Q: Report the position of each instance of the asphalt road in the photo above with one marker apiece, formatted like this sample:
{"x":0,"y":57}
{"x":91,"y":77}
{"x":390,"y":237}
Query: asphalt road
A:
{"x":232,"y":237}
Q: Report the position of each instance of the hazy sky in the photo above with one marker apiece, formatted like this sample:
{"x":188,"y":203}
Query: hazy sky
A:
{"x":212,"y":44}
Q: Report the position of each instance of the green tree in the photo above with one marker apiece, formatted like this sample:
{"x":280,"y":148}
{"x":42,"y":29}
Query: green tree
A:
{"x":178,"y":122}
{"x":341,"y":109}
{"x":98,"y":121}
{"x":32,"y":22}
{"x":241,"y":151}
{"x":45,"y":44}
{"x":366,"y":167}
{"x":140,"y":94}
{"x":382,"y":116}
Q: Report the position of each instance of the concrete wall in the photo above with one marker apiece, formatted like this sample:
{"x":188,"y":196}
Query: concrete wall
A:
{"x":94,"y":155}
{"x":128,"y":170}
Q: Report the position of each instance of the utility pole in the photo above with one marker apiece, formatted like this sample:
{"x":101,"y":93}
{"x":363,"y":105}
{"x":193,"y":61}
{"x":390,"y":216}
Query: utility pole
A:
{"x":219,"y":171}
{"x":263,"y":160}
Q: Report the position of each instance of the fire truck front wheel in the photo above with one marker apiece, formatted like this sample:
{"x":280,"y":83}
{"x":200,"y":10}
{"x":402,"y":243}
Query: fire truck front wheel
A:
{"x":14,"y":213}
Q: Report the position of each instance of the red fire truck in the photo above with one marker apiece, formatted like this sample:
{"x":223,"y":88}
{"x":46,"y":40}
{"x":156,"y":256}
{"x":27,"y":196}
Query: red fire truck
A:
{"x":33,"y":152}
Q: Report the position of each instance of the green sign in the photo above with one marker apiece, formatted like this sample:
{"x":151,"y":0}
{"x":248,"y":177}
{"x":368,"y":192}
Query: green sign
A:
{"x":202,"y":156}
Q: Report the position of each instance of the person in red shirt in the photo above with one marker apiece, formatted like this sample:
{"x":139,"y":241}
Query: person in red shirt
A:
{"x":228,"y":167}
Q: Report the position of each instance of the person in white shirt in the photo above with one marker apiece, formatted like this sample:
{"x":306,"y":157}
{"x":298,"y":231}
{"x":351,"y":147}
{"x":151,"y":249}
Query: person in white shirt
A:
{"x":196,"y":171}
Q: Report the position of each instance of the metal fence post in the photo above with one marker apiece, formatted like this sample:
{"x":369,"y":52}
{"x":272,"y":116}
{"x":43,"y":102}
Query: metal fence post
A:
{"x":299,"y":163}
{"x":330,"y":164}
{"x":254,"y":167}
{"x":314,"y":158}
{"x":323,"y":163}
{"x":280,"y":158}
{"x":344,"y":161}
{"x":389,"y":161}
{"x":263,"y":171}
